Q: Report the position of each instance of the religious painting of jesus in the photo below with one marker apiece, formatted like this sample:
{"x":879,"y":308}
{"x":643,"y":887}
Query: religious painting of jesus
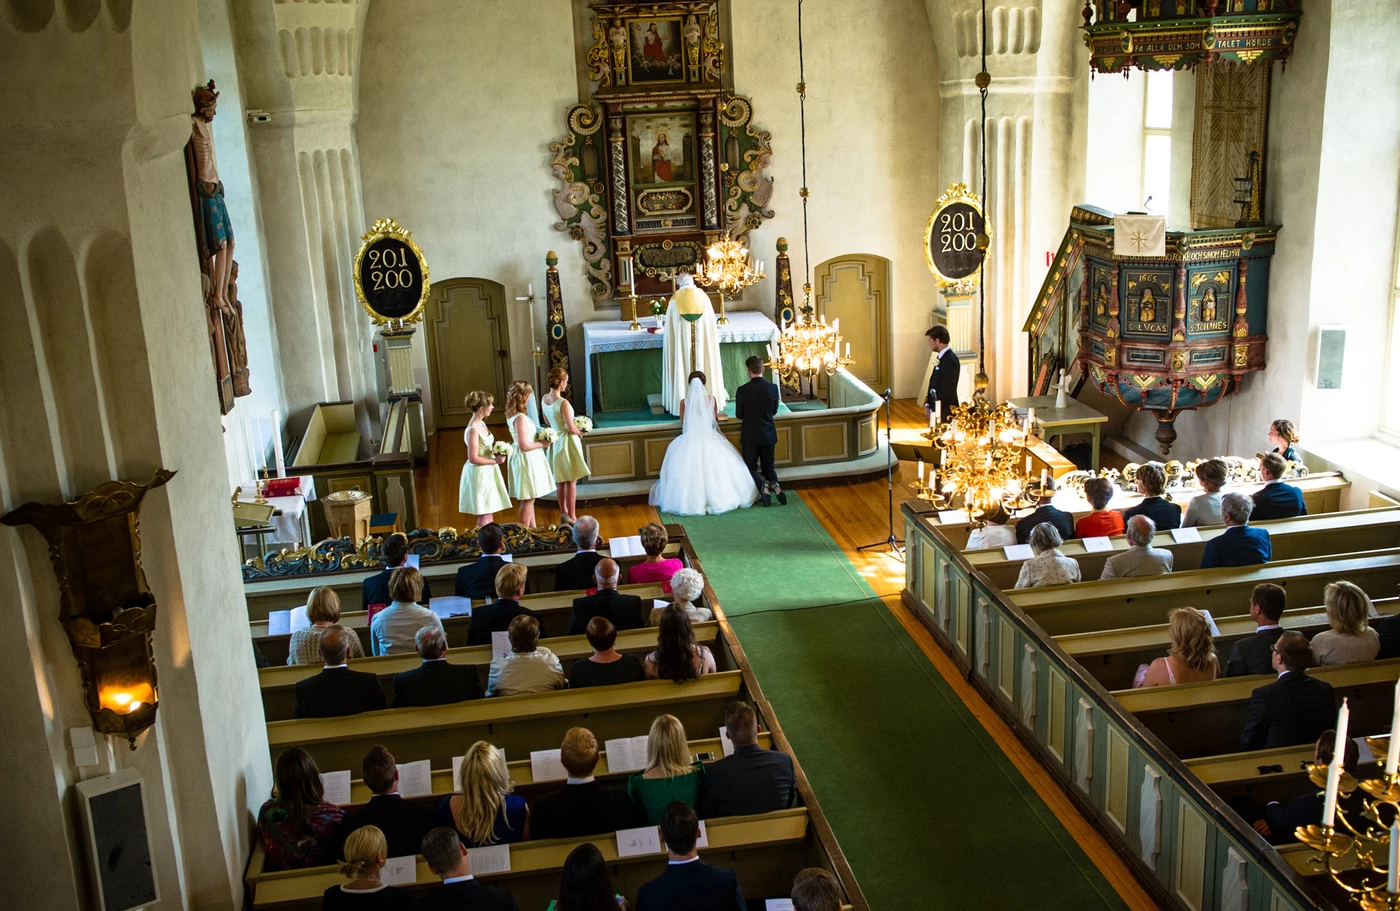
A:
{"x":656,"y":51}
{"x":660,"y":147}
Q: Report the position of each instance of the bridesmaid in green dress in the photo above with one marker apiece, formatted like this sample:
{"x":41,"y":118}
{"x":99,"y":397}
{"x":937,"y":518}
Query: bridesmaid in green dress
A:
{"x":482,"y":491}
{"x":566,"y":455}
{"x":530,"y":474}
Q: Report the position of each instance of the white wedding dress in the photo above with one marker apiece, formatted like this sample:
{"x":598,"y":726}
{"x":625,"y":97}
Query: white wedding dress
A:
{"x":702,"y":473}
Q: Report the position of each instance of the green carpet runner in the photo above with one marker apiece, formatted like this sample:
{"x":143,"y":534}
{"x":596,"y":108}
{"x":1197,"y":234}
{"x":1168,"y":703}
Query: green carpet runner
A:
{"x":929,"y":811}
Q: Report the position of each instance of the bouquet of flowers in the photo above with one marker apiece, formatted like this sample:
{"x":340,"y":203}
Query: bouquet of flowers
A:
{"x":500,"y":448}
{"x":584,"y":423}
{"x":546,"y":435}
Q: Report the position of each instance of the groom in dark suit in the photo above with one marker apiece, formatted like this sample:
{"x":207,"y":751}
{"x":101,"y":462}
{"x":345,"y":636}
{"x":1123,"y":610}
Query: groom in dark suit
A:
{"x":755,"y":403}
{"x":943,"y":379}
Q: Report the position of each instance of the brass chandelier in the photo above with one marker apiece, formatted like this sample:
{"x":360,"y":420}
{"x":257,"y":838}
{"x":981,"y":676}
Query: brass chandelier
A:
{"x":729,"y":270}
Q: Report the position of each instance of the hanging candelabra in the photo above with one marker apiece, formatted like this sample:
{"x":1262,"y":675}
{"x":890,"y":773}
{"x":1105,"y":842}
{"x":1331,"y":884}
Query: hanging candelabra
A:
{"x":728,"y":269}
{"x":984,"y":459}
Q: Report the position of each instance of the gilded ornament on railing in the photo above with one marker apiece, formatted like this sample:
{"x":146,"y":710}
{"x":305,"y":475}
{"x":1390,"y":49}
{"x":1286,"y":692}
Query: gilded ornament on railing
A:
{"x":1181,"y":476}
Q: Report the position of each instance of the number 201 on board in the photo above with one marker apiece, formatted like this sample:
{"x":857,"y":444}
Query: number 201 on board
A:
{"x":388,"y":268}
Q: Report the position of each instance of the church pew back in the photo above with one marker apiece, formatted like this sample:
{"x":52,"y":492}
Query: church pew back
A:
{"x":517,"y":724}
{"x":1088,"y":606}
{"x":1278,"y":774}
{"x":278,"y":684}
{"x":1303,"y":537}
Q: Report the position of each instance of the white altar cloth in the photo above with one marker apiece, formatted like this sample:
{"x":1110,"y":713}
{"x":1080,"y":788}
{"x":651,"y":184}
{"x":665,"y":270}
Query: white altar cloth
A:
{"x":602,"y":336}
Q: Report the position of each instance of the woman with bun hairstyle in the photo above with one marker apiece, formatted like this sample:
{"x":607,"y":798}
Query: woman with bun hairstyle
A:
{"x":483,"y":491}
{"x":566,"y":455}
{"x":530,"y":474}
{"x":365,"y":853}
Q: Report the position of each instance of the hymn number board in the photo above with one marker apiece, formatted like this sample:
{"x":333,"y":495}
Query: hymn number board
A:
{"x":950,"y":237}
{"x":391,"y":275}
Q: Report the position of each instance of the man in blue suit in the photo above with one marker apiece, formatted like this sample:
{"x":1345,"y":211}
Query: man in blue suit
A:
{"x":1238,"y":545}
{"x":1277,"y":500}
{"x":689,"y":884}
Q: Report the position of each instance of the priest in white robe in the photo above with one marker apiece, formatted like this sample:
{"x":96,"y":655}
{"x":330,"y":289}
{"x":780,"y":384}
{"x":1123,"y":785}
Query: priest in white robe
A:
{"x":675,"y":349}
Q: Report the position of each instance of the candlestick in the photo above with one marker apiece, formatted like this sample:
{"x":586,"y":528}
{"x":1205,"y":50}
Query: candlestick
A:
{"x":1334,"y":768}
{"x":1392,"y":754}
{"x":1392,"y":878}
{"x":277,"y":444}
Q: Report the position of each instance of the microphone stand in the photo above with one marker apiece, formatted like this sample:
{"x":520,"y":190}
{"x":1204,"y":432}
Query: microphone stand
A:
{"x":893,"y":542}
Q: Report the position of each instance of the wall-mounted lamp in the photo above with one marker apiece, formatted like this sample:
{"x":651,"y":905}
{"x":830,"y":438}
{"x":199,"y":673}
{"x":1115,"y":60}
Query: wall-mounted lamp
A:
{"x":106,"y":609}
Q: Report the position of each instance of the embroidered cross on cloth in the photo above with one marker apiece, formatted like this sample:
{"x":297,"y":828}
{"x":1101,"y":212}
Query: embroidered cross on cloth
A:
{"x":1139,"y":235}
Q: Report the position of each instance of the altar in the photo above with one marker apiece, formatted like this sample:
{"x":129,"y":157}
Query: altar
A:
{"x":624,"y":365}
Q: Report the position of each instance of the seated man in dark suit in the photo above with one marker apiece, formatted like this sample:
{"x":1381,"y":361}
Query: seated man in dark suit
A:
{"x":1294,"y":709}
{"x":1278,"y":821}
{"x":1254,"y":654}
{"x":751,"y":779}
{"x":376,"y":588}
{"x":689,"y":884}
{"x":478,"y":580}
{"x":1063,"y":521}
{"x":403,"y":822}
{"x":435,"y":682}
{"x":337,"y":690}
{"x":623,"y":611}
{"x":1238,"y":544}
{"x":1276,"y":499}
{"x":1387,"y":626}
{"x":815,"y":889}
{"x":1151,"y":483}
{"x":576,"y":573}
{"x":583,"y":806}
{"x":496,"y":617}
{"x":447,"y":858}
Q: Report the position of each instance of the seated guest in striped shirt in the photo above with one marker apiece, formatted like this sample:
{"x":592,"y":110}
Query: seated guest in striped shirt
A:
{"x":605,"y":666}
{"x":322,"y":610}
{"x":1350,"y":638}
{"x":529,"y":668}
{"x":1204,"y":508}
{"x":392,"y":630}
{"x":1102,"y":522}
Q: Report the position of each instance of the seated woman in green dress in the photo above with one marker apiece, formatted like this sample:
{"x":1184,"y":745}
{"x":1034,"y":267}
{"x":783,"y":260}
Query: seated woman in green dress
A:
{"x":566,"y":453}
{"x":530,"y":474}
{"x":671,"y":773}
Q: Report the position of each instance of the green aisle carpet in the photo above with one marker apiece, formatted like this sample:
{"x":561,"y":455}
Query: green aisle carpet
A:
{"x":930,"y":813}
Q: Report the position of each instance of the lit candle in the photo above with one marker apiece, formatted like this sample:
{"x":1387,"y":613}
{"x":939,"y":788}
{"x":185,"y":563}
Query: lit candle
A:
{"x":1392,"y":877}
{"x":1334,"y":768}
{"x":277,"y":443}
{"x":921,"y":471}
{"x":1392,"y":755}
{"x":126,"y":700}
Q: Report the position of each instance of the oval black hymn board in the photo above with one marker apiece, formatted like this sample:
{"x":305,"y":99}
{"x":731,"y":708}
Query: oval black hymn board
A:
{"x":391,"y":275}
{"x":950,"y":237}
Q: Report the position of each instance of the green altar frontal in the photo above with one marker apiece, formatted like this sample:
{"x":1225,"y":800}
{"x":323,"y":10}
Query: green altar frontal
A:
{"x":622,"y":380}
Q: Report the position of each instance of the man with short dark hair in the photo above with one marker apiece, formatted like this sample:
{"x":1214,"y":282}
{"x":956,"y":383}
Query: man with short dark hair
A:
{"x":1294,"y":709}
{"x":583,"y":806}
{"x":1254,"y":654}
{"x":375,"y":589}
{"x":815,"y":889}
{"x":755,"y":403}
{"x":943,"y":374}
{"x":623,"y":611}
{"x":496,"y":617}
{"x":1141,"y":558}
{"x":1063,"y":521}
{"x":478,"y":580}
{"x":403,"y":822}
{"x":576,"y":573}
{"x":1238,"y":544}
{"x":1152,"y":483}
{"x":435,"y":681}
{"x":1276,"y":499}
{"x":337,"y":690}
{"x":1278,"y":821}
{"x":750,"y":780}
{"x":447,"y":858}
{"x":689,"y":884}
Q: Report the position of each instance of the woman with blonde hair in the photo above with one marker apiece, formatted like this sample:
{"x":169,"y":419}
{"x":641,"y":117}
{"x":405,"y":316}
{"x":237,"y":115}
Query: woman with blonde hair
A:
{"x":482,"y":492}
{"x":566,"y":455}
{"x":484,"y":811}
{"x":1351,"y":638}
{"x":365,"y":852}
{"x":1192,"y":656}
{"x":322,"y":610}
{"x":671,"y":774}
{"x":530,"y":474}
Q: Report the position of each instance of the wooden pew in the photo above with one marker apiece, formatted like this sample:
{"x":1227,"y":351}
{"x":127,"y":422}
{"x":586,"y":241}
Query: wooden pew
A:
{"x":286,"y":592}
{"x":553,"y":608}
{"x":766,"y":852}
{"x":1204,"y":719}
{"x":1088,"y":606}
{"x":1278,"y":774}
{"x":517,"y":724}
{"x":1303,"y":537}
{"x":1113,"y":656}
{"x":279,"y":683}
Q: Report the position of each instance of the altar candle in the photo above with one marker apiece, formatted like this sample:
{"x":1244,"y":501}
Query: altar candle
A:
{"x":1392,"y":877}
{"x":277,"y":443}
{"x":1392,"y":755}
{"x":1334,"y":768}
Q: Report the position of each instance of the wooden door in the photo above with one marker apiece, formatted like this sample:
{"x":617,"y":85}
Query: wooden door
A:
{"x":468,"y":342}
{"x":855,"y":289}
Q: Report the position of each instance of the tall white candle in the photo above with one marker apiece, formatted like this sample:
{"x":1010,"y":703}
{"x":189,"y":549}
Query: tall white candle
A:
{"x":248,"y":447}
{"x":261,"y":460}
{"x":277,"y":444}
{"x":921,"y":471}
{"x":1392,"y":755}
{"x":1334,"y":768}
{"x":932,"y":419}
{"x":1392,"y":876}
{"x":1028,"y":466}
{"x":530,"y":290}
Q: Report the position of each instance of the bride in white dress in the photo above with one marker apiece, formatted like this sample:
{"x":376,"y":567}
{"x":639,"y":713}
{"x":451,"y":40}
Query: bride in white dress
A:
{"x":702,"y":474}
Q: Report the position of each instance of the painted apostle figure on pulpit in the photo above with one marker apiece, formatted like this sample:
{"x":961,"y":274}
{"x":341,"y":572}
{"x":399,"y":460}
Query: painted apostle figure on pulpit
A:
{"x":218,"y":229}
{"x":1147,"y":308}
{"x":1208,"y":306}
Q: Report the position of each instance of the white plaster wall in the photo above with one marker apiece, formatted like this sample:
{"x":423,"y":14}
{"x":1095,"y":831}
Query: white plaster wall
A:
{"x":1113,"y":167}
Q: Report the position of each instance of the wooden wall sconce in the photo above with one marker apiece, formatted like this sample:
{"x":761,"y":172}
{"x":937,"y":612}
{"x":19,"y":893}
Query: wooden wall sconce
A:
{"x":106,"y":609}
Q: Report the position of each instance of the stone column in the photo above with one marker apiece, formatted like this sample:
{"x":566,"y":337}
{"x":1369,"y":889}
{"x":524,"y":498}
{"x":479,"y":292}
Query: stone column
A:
{"x":106,"y":374}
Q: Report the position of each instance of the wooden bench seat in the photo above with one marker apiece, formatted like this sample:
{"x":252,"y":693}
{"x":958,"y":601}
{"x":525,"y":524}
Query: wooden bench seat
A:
{"x":1203,"y":719}
{"x":1301,"y":538}
{"x":1089,"y":606}
{"x":517,"y":724}
{"x":286,"y":592}
{"x":553,"y":608}
{"x":279,"y":683}
{"x":766,"y":851}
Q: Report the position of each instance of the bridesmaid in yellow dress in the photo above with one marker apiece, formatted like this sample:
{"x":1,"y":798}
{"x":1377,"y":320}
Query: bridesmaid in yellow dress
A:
{"x":566,"y":455}
{"x":482,"y":491}
{"x":530,"y":475}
